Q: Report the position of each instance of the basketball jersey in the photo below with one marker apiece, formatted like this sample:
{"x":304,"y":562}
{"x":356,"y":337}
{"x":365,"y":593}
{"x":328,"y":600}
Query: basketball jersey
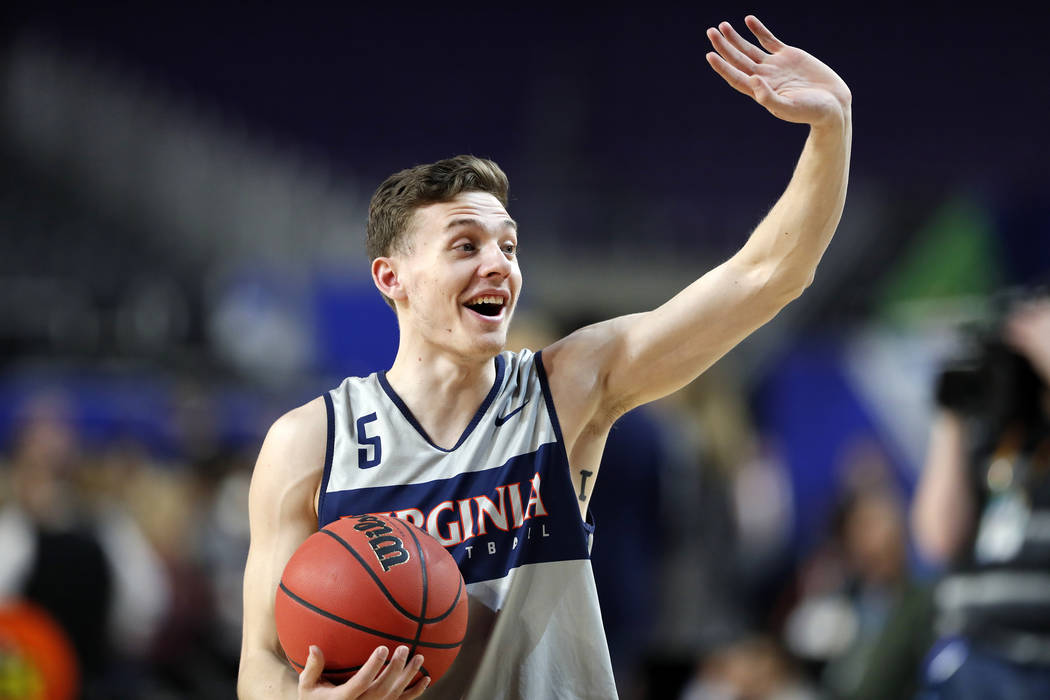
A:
{"x":502,"y":503}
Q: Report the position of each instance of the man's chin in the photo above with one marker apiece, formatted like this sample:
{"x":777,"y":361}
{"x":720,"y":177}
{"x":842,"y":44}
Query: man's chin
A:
{"x":490,"y":344}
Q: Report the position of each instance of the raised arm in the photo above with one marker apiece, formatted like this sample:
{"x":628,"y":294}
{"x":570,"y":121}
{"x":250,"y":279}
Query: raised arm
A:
{"x":604,"y":370}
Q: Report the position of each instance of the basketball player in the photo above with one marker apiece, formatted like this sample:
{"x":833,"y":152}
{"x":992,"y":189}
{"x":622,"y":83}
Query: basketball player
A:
{"x":495,"y":453}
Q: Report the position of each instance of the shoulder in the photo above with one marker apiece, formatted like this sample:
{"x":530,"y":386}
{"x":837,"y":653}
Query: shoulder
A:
{"x":300,"y":424}
{"x":294,"y":448}
{"x":577,"y":371}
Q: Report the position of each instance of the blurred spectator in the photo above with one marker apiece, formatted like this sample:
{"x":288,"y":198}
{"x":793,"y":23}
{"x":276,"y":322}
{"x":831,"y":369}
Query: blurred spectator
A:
{"x":142,"y":591}
{"x":982,"y":509}
{"x":703,"y":602}
{"x":749,"y":547}
{"x":52,"y":553}
{"x":753,"y":667}
{"x":191,"y":656}
{"x":223,"y":549}
{"x":862,"y":619}
{"x":56,"y":537}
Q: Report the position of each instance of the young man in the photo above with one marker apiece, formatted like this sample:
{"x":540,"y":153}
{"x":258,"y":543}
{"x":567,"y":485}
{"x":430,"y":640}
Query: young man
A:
{"x":496,"y":454}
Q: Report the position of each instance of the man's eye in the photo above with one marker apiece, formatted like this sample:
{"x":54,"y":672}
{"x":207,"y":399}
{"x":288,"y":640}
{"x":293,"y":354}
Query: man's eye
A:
{"x":510,"y":249}
{"x":466,"y":247}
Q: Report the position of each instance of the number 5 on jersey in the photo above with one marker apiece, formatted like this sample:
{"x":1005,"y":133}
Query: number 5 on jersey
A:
{"x":363,"y":461}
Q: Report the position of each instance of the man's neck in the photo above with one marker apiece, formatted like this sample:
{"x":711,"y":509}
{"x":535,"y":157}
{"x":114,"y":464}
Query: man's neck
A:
{"x":442,"y":392}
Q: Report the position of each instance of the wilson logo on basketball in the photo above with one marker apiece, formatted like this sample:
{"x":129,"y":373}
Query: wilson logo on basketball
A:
{"x":388,"y":548}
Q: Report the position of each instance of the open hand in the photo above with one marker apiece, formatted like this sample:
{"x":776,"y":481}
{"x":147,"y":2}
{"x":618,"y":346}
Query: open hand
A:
{"x":371,"y":682}
{"x":790,"y":83}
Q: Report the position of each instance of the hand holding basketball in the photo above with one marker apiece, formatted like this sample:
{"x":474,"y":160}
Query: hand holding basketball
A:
{"x":371,"y":682}
{"x":359,"y":588}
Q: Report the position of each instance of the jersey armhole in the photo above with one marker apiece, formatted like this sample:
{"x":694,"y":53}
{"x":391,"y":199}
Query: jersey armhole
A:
{"x":329,"y":450}
{"x":549,"y":400}
{"x":588,"y":521}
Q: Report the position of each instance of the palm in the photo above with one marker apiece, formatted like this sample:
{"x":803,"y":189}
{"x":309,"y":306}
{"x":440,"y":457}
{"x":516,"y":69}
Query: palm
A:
{"x":790,"y":83}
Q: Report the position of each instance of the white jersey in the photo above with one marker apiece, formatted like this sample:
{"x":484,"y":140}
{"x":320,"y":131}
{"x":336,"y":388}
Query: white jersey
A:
{"x":502,"y":502}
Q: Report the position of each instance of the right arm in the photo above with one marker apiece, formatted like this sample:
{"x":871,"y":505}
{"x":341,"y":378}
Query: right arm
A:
{"x":282,"y":513}
{"x":942,"y":513}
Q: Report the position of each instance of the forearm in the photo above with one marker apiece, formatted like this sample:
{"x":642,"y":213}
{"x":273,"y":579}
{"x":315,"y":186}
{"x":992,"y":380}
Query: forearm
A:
{"x":263,"y":676}
{"x":943,"y":509}
{"x":792,"y":238}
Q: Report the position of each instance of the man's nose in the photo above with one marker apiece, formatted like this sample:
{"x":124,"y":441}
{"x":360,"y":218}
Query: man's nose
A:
{"x":494,"y":261}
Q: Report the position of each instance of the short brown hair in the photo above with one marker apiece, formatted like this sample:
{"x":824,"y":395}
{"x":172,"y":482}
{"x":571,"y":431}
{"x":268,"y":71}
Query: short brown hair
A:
{"x":397,"y":199}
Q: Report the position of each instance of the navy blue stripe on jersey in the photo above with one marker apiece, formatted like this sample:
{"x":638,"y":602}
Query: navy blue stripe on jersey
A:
{"x":329,"y":451}
{"x":541,"y":372}
{"x":505,"y":522}
{"x":407,"y":413}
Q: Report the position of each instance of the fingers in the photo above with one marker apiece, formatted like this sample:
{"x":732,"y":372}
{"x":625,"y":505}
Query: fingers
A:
{"x":399,"y":672}
{"x":735,"y":77}
{"x":416,"y":690}
{"x":730,"y":53}
{"x":765,"y":37}
{"x":311,"y":672}
{"x":368,"y":672}
{"x":743,"y":45}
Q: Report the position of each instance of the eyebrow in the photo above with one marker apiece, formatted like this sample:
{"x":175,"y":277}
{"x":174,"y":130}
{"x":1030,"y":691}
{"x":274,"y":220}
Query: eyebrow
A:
{"x":472,"y":221}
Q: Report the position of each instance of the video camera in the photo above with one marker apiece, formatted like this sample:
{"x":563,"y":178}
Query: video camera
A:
{"x":990,"y":379}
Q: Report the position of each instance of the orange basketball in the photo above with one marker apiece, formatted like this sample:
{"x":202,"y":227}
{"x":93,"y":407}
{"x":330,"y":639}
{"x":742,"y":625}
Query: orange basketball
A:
{"x":367,"y":581}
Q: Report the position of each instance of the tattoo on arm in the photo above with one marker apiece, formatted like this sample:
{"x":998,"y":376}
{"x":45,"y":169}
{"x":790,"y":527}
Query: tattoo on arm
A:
{"x":583,"y":483}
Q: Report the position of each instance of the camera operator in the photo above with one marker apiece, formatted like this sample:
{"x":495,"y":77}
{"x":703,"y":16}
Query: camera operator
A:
{"x":982,"y":510}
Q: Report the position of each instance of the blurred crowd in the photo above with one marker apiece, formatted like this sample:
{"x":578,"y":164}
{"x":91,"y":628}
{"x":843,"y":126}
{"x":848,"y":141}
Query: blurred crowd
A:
{"x":138,"y":560}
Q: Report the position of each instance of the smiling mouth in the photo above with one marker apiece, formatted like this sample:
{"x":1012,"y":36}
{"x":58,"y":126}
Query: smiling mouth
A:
{"x":486,"y":306}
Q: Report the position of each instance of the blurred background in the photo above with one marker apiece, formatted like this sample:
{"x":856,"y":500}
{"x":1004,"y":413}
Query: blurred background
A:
{"x":183,"y":194}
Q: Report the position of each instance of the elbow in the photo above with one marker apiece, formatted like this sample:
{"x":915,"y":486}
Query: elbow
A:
{"x":783,"y":284}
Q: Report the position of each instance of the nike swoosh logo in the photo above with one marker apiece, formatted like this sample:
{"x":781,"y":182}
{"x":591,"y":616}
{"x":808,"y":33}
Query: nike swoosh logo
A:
{"x":500,"y":420}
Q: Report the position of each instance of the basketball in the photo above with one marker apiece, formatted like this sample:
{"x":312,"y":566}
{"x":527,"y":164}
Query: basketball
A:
{"x":367,"y":581}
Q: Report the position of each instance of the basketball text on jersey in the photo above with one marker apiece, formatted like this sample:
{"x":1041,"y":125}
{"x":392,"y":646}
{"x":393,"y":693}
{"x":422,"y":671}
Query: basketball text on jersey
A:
{"x":491,"y":520}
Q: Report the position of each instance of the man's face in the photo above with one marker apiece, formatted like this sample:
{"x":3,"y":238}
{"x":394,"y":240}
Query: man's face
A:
{"x":460,"y":276}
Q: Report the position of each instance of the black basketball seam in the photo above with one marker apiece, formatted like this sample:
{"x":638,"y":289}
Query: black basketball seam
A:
{"x":423,"y":604}
{"x":459,"y":589}
{"x":378,"y":633}
{"x":379,"y":583}
{"x":375,"y":578}
{"x":455,"y":601}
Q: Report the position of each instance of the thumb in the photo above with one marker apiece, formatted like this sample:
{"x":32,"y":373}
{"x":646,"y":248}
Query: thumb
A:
{"x":314,"y":666}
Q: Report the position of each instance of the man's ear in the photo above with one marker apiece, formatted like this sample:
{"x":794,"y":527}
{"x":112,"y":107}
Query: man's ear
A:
{"x":385,"y":277}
